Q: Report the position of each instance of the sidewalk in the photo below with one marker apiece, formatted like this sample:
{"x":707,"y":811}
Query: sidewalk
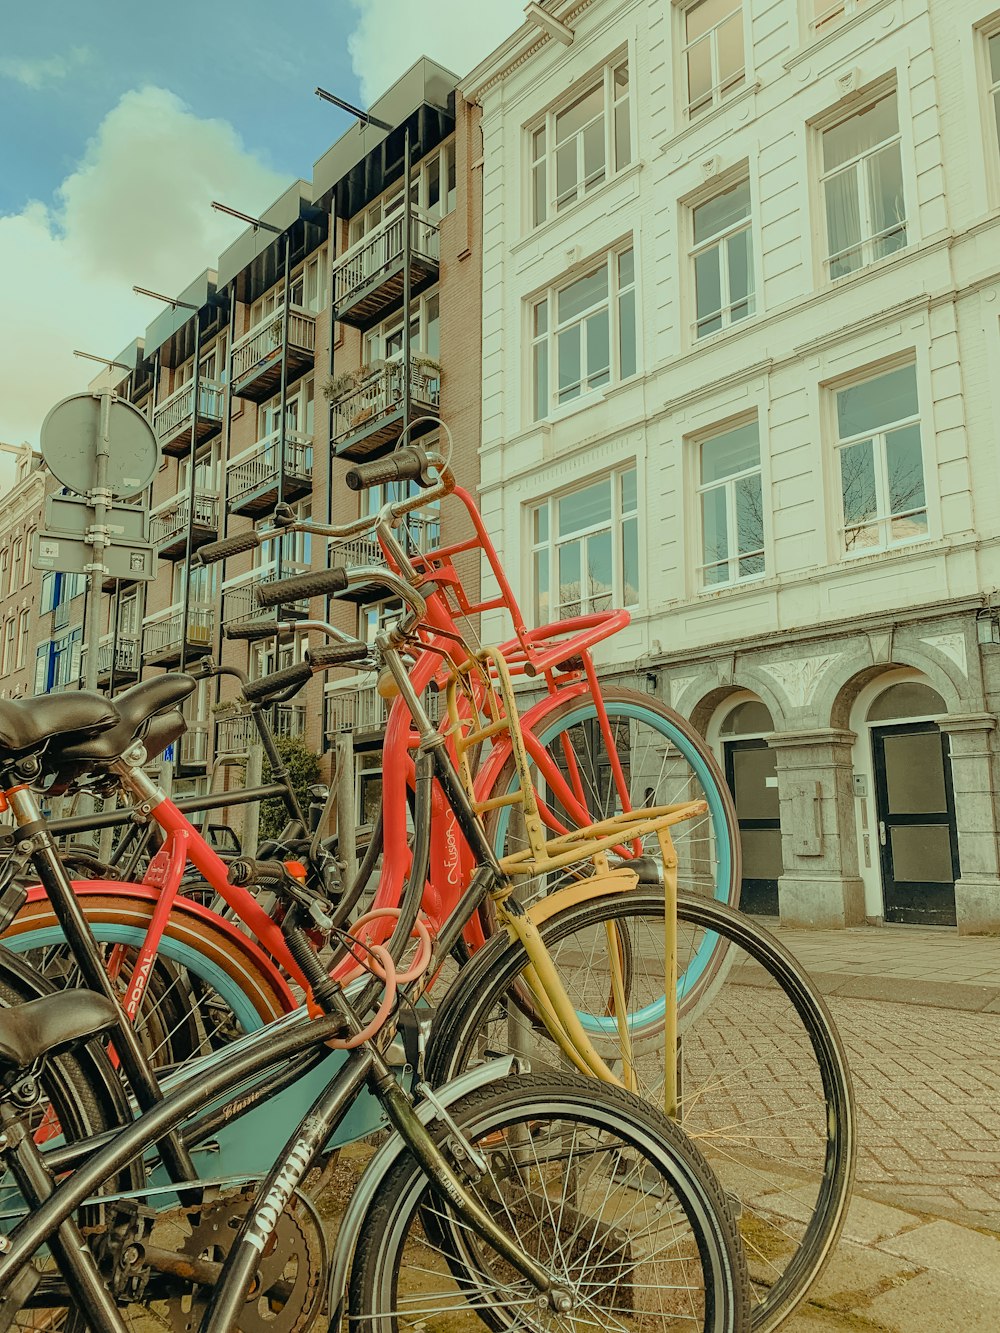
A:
{"x":903,"y":964}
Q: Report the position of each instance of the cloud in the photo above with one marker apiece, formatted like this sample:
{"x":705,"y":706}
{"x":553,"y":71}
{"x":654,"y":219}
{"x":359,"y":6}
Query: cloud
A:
{"x":135,"y":210}
{"x":390,"y":34}
{"x":44,"y":72}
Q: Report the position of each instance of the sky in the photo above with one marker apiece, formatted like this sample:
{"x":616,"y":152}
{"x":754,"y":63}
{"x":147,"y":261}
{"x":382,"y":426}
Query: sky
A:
{"x":122,"y":123}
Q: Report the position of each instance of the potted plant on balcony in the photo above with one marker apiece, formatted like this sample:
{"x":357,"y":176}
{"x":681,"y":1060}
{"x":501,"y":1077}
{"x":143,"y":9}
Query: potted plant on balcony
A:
{"x":338,"y":386}
{"x":427,"y":369}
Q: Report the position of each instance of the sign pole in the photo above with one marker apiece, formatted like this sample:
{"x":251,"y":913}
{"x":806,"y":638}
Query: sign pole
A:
{"x":98,"y":535}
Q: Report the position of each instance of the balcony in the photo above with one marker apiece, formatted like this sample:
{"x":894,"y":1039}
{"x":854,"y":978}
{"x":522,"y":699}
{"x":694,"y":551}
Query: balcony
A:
{"x":172,"y":418}
{"x":192,"y":748}
{"x":235,"y":732}
{"x":368,"y":278}
{"x":368,"y":419}
{"x":257,"y":355}
{"x":254,"y":482}
{"x":352,"y":554}
{"x":364,"y":712}
{"x":168,"y":525}
{"x":124,"y":654}
{"x":239,"y":603}
{"x":163,"y":635}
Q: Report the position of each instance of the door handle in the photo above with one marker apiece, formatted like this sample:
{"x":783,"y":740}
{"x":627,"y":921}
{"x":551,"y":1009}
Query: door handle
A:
{"x":881,"y":831}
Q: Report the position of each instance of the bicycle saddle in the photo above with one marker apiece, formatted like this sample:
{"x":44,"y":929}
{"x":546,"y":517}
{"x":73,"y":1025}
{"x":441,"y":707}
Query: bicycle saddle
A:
{"x":52,"y":1024}
{"x":134,"y":707}
{"x":26,"y":724}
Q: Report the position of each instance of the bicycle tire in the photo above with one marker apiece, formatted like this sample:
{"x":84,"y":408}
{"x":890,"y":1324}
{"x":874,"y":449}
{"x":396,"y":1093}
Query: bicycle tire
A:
{"x":505,"y":1122}
{"x":731,"y":1042}
{"x":708,"y":849}
{"x":197,"y":966}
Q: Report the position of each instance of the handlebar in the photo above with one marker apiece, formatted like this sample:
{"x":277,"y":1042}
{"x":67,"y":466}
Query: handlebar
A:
{"x":212,"y":552}
{"x":407,"y":464}
{"x":252,"y":630}
{"x":314,"y":583}
{"x":288,"y":678}
{"x":337,"y":654}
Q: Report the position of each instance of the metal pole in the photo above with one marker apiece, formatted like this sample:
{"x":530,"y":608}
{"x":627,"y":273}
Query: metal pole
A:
{"x":100,"y":500}
{"x":282,"y":432}
{"x":115,"y":616}
{"x":407,"y":224}
{"x":189,"y":544}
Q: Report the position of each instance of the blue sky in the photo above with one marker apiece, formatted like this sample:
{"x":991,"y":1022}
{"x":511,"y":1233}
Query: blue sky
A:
{"x":123,"y":121}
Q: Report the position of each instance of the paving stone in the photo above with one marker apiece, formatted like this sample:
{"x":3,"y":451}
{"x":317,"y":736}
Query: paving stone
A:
{"x":869,"y":1222}
{"x":944,"y":1247}
{"x":932,"y":1303}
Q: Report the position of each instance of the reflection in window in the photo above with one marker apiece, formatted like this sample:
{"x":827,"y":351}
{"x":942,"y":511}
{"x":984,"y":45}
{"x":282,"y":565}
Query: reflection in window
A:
{"x":723,"y":260}
{"x":828,"y":13}
{"x":881,"y":463}
{"x":863,"y":187}
{"x":713,"y":52}
{"x":732,"y":506}
{"x":994,"y":55}
{"x":585,"y":549}
{"x":584,"y":334}
{"x":580,"y":144}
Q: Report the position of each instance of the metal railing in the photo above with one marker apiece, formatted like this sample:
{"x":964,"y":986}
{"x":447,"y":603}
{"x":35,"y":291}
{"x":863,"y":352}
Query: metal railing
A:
{"x":265,"y":338}
{"x":381,"y":393}
{"x":193,"y":746}
{"x":356,"y":552}
{"x":381,"y":249}
{"x":239,"y":603}
{"x":124,"y":653}
{"x":171,"y":519}
{"x":261,"y":468}
{"x":166,"y":631}
{"x":175,"y":410}
{"x":235,"y":733}
{"x":366,"y":710}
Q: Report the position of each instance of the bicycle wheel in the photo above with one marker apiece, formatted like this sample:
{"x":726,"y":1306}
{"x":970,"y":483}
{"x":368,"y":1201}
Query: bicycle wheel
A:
{"x":608,"y":1197}
{"x":663,"y":761}
{"x":203,"y":991}
{"x":763,"y":1079}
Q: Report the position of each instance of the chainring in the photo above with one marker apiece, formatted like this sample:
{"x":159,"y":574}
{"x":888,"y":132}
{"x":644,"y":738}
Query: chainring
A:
{"x":290,"y":1274}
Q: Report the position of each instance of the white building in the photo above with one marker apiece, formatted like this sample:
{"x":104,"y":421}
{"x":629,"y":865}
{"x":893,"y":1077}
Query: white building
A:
{"x":741,"y":357}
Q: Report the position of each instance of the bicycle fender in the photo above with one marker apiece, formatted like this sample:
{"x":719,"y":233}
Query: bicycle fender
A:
{"x":115,"y":888}
{"x":617,"y":881}
{"x":382,"y":1163}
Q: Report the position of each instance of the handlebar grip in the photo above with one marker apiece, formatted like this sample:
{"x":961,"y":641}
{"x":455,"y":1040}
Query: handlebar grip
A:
{"x":252,"y":630}
{"x":245,"y":870}
{"x":313,"y":584}
{"x":295,"y":675}
{"x":338,"y":654}
{"x":409,"y":463}
{"x":212,"y":552}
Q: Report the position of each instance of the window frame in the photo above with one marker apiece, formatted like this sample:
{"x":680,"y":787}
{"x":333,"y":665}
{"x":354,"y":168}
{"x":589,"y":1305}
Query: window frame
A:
{"x":552,"y":544}
{"x":549,"y":338}
{"x":603,"y":77}
{"x":719,"y":96}
{"x":881,"y":520}
{"x":820,"y":27}
{"x":728,"y":483}
{"x":730,"y":181}
{"x":864,"y":102}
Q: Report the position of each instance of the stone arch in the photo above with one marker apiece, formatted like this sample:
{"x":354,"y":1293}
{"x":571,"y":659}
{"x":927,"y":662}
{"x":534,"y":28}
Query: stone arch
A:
{"x":856,"y":673}
{"x":700,"y":702}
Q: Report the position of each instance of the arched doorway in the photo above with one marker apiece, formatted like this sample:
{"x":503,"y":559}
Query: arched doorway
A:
{"x":752,"y":777}
{"x":913,"y":842}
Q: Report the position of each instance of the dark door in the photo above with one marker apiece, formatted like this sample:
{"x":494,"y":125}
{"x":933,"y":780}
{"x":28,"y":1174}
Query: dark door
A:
{"x":915,"y":807}
{"x":752,"y":778}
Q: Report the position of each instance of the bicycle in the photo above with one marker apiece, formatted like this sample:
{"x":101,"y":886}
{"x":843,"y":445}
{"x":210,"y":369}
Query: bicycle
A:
{"x":539,"y":1203}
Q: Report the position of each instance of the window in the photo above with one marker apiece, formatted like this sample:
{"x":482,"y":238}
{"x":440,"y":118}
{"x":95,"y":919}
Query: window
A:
{"x":881,"y":462}
{"x":432,"y":191}
{"x":585,"y":549}
{"x":377,"y":616}
{"x":580,"y":144}
{"x":306,"y":290}
{"x":7,"y":653}
{"x":423,"y":525}
{"x":828,"y":13}
{"x":993,"y":49}
{"x":722,"y":256}
{"x":732,"y":506}
{"x":369,"y":786}
{"x":16,"y":566}
{"x":29,"y":551}
{"x":863,"y":187}
{"x":385,"y":343}
{"x":22,"y":643}
{"x":583,"y":335}
{"x":713,"y":52}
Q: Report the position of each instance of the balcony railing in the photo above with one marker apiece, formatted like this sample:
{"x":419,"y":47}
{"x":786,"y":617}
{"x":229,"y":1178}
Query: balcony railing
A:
{"x":257,"y":356}
{"x":239,"y":603}
{"x":235,"y":733}
{"x":368,"y":278}
{"x":124,"y":652}
{"x":368,"y":419}
{"x":172,"y":417}
{"x":168,"y":524}
{"x":253,"y":483}
{"x":163,"y":634}
{"x":352,"y":554}
{"x":193,"y":747}
{"x":366,"y":710}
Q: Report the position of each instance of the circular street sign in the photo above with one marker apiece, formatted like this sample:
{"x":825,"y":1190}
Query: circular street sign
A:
{"x":68,"y":443}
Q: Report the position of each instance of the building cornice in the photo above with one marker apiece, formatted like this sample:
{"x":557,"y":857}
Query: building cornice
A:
{"x":516,"y":51}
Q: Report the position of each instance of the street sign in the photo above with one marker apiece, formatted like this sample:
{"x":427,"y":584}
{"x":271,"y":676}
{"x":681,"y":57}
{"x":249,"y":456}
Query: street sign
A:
{"x":71,"y":515}
{"x":72,"y":555}
{"x":75,"y":428}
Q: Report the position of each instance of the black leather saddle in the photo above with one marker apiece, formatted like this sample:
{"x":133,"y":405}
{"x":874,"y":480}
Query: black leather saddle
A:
{"x":77,"y":715}
{"x":134,"y":707}
{"x":50,"y":1025}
